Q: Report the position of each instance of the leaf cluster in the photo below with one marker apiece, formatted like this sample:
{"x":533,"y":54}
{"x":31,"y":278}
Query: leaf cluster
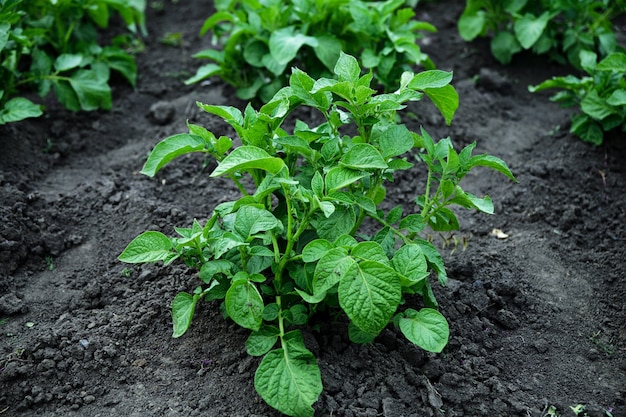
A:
{"x":294,"y":244}
{"x":601,"y":95}
{"x":260,"y":40}
{"x":52,"y":46}
{"x":559,"y":28}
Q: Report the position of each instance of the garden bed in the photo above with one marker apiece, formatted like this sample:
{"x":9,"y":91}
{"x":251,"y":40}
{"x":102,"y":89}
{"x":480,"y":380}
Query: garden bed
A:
{"x":536,"y":311}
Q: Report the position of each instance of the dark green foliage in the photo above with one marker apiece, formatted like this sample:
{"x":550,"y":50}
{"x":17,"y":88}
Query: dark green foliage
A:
{"x":261,"y":40}
{"x":52,"y":46}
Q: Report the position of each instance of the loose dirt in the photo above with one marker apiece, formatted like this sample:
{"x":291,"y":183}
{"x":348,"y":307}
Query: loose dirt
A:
{"x":537,"y":319}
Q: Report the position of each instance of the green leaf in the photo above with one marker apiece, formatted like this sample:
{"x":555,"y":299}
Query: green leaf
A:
{"x":251,"y":220}
{"x":614,"y":62}
{"x":409,"y":261}
{"x":315,"y":249}
{"x":363,"y":156}
{"x":471,"y":24}
{"x":446,"y":99}
{"x":503,"y":46}
{"x":330,"y":269}
{"x":245,"y":305}
{"x":92,"y":90}
{"x":245,"y":158}
{"x":339,"y":177}
{"x":617,"y":98}
{"x":170,"y":148}
{"x":289,"y":379}
{"x":183,"y":307}
{"x":370,"y":251}
{"x":596,"y":107}
{"x":17,"y":109}
{"x":493,"y":163}
{"x":285,"y":43}
{"x":358,"y":336}
{"x":262,"y":341}
{"x":328,"y":50}
{"x":347,"y":68}
{"x":395,"y":140}
{"x":427,"y":328}
{"x":430,"y":79}
{"x":149,"y":246}
{"x":339,"y":223}
{"x":317,"y":184}
{"x":204,"y":72}
{"x":213,"y":267}
{"x":66,"y":62}
{"x":369,"y":293}
{"x":413,"y":223}
{"x":529,"y":28}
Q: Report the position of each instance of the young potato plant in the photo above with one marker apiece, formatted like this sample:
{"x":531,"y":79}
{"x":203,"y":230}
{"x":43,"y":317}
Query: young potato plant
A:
{"x":560,"y":28}
{"x":295,"y":247}
{"x":52,"y":45}
{"x":601,"y":95}
{"x":261,"y":39}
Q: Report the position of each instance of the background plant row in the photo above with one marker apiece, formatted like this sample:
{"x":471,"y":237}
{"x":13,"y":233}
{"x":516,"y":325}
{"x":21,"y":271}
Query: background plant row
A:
{"x":52,"y":46}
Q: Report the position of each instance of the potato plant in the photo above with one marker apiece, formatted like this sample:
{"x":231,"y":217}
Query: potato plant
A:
{"x":559,"y":28}
{"x":308,"y":234}
{"x":601,"y":95}
{"x":261,"y":40}
{"x":52,"y":46}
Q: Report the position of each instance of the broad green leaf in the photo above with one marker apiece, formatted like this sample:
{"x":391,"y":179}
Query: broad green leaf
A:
{"x":245,"y":158}
{"x":315,"y":249}
{"x":430,"y":79}
{"x":149,"y":246}
{"x":121,"y":62}
{"x":4,"y":34}
{"x":330,"y":269}
{"x":230,"y":114}
{"x":327,"y":208}
{"x":66,"y":62}
{"x":213,"y":267}
{"x":285,"y":43}
{"x":17,"y":109}
{"x":529,"y":28}
{"x":170,"y":148}
{"x":363,"y":156}
{"x":427,"y":328}
{"x":503,"y":46}
{"x":618,"y":98}
{"x":339,"y":223}
{"x":409,"y":261}
{"x":245,"y":305}
{"x":443,"y":220}
{"x":596,"y":107}
{"x":262,"y":341}
{"x":413,"y":223}
{"x":183,"y":307}
{"x":251,"y":220}
{"x":289,"y":379}
{"x":446,"y":99}
{"x":435,"y":261}
{"x":317,"y":184}
{"x":369,"y":293}
{"x":588,"y":60}
{"x":587,"y":129}
{"x":204,"y":72}
{"x":395,"y":140}
{"x":328,"y":50}
{"x":347,"y":68}
{"x":370,"y":251}
{"x":614,"y":62}
{"x":227,"y":242}
{"x":471,"y":24}
{"x":92,"y":90}
{"x":492,"y":162}
{"x":339,"y":177}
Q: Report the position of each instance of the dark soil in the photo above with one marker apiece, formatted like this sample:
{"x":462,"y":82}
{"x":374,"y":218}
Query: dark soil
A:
{"x":537,"y":319}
